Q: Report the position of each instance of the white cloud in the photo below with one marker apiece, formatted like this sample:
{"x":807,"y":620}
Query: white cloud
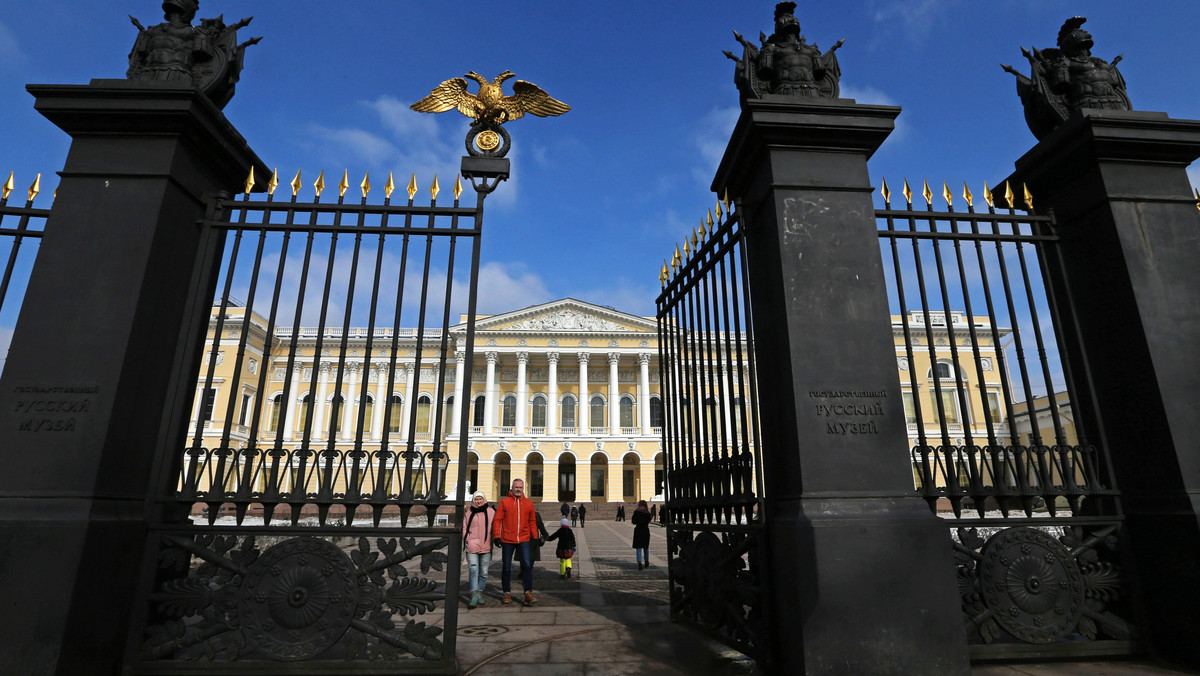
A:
{"x":10,"y":50}
{"x":916,"y":16}
{"x":711,"y":136}
{"x":508,"y":286}
{"x":868,"y":95}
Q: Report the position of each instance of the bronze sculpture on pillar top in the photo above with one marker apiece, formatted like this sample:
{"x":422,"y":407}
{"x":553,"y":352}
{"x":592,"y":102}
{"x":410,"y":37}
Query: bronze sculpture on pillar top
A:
{"x":1067,"y":79}
{"x":207,"y":56}
{"x":785,"y":63}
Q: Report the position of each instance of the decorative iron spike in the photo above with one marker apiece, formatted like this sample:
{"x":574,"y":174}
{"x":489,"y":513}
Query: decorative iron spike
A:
{"x":907,"y":192}
{"x":35,"y":188}
{"x":435,"y":188}
{"x":344,"y":184}
{"x":54,"y":195}
{"x":366,"y":184}
{"x":389,"y":186}
{"x":695,"y":238}
{"x":1028,"y":197}
{"x":412,"y":187}
{"x":457,"y":186}
{"x":319,"y":186}
{"x":727,"y":202}
{"x":296,"y":184}
{"x":8,"y":185}
{"x":676,"y":258}
{"x":709,"y":220}
{"x":1008,"y":195}
{"x":988,"y":196}
{"x":662,"y":274}
{"x":1197,"y":198}
{"x":887,"y":194}
{"x":967,"y":195}
{"x":274,"y":182}
{"x":687,"y":247}
{"x":947,"y":196}
{"x":249,"y":182}
{"x":927,"y":194}
{"x":719,"y":212}
{"x":703,"y":232}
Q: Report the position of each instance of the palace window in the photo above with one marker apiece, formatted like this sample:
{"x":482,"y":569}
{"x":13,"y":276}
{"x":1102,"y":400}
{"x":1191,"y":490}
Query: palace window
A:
{"x":335,"y":415}
{"x":656,"y":412}
{"x":568,"y":411}
{"x":538,"y":418}
{"x":480,"y":410}
{"x":245,"y":409}
{"x":448,"y":416}
{"x":276,"y":409}
{"x":993,"y":400}
{"x":396,"y":404}
{"x":508,"y":412}
{"x":627,"y":411}
{"x":949,"y":405}
{"x":910,"y":409}
{"x":368,"y":414}
{"x":597,"y":412}
{"x":423,"y":406}
{"x":305,"y":404}
{"x":206,"y":407}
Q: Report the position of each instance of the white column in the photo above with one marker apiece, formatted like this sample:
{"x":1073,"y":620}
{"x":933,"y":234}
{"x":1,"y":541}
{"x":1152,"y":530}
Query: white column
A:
{"x":350,"y":410}
{"x":411,"y":375}
{"x":459,"y":375}
{"x":318,"y":428}
{"x":381,"y":399}
{"x":522,"y":392}
{"x":644,"y":392}
{"x":583,"y":418}
{"x":292,"y":408}
{"x":489,"y":402}
{"x":614,"y":411}
{"x":552,"y":404}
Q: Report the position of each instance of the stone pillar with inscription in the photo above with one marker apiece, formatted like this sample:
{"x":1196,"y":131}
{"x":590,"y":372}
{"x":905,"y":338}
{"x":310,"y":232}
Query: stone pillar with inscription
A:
{"x":863,"y":573}
{"x":1130,"y":240}
{"x":103,"y":359}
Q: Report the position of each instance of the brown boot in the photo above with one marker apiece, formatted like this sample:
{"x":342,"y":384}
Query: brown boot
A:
{"x":529,"y":599}
{"x":507,"y":599}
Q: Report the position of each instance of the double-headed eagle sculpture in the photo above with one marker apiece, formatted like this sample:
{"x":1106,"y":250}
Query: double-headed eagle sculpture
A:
{"x":490,"y":108}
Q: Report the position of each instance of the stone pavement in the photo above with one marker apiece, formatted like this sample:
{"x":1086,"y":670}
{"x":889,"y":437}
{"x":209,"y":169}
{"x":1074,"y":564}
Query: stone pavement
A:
{"x":611,"y":619}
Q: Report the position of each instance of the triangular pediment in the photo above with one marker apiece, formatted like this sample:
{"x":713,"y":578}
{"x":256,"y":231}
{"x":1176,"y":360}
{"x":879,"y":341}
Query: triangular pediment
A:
{"x":567,"y":316}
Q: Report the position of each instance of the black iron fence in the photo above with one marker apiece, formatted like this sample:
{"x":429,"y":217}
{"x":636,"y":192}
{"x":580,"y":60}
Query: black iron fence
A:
{"x":999,"y":446}
{"x":305,"y":429}
{"x":21,"y":228}
{"x":711,"y":436}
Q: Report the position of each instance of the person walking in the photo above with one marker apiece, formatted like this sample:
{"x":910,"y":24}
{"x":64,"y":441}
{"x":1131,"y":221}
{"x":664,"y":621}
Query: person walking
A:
{"x":515,"y":529}
{"x":477,"y":543}
{"x":565,"y":509}
{"x":653,"y":513}
{"x":565,"y":550}
{"x":574,"y":514}
{"x":620,"y":512}
{"x":582,"y":515}
{"x":641,"y":534}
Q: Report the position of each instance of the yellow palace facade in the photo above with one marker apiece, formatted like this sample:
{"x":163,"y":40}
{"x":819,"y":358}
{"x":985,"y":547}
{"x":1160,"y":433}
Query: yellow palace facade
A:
{"x":565,"y":395}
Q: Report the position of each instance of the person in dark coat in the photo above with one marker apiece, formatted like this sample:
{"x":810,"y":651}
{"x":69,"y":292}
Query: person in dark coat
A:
{"x":641,"y":534}
{"x":565,"y":509}
{"x":582,"y":515}
{"x":653,"y":513}
{"x":620,"y":512}
{"x":574,"y":514}
{"x":535,"y":549}
{"x":565,"y":550}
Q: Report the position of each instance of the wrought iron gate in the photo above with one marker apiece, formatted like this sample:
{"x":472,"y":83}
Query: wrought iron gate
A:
{"x":999,"y":441}
{"x":711,"y":437}
{"x":17,"y":225}
{"x":311,"y":521}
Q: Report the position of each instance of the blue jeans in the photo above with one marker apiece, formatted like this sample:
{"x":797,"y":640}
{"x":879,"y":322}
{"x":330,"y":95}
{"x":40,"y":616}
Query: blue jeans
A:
{"x":477,"y":567}
{"x":522,"y":550}
{"x":638,"y":551}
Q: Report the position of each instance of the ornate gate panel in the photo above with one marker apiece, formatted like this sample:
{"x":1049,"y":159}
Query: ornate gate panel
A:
{"x":21,"y":228}
{"x":714,"y":503}
{"x":314,"y":515}
{"x":999,"y":442}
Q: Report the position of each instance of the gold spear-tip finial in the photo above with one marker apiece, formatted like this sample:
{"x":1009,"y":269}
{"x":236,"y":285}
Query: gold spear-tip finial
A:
{"x":1028,"y":197}
{"x":675,"y":259}
{"x":927,"y":194}
{"x":907,"y":192}
{"x":8,"y":185}
{"x":988,"y":196}
{"x":687,"y":246}
{"x":725,"y":199}
{"x":1197,"y":197}
{"x":695,"y":238}
{"x":1008,"y":195}
{"x":887,"y":194}
{"x":274,"y":182}
{"x":319,"y":185}
{"x":947,"y":196}
{"x":296,"y":184}
{"x":365,"y":186}
{"x":344,"y":184}
{"x":389,"y":186}
{"x":967,"y":195}
{"x":249,"y":182}
{"x":457,"y":186}
{"x":662,"y":274}
{"x":35,"y":188}
{"x":703,"y":231}
{"x":412,"y":187}
{"x":720,"y":213}
{"x":709,"y":220}
{"x":434,"y":189}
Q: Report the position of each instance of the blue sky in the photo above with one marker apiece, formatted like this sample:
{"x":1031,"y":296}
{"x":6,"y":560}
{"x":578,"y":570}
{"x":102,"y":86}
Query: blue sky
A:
{"x":600,"y":196}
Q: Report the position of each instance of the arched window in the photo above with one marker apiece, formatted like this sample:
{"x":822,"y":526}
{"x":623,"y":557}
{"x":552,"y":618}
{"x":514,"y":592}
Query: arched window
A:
{"x":368,"y":414}
{"x":276,"y":412}
{"x":656,"y":412}
{"x":627,"y":411}
{"x":736,"y":417}
{"x":597,"y":411}
{"x":304,"y":408}
{"x":568,"y":411}
{"x":538,"y":417}
{"x":480,"y":410}
{"x":508,"y":413}
{"x":943,"y":371}
{"x":423,"y":404}
{"x":448,"y":416}
{"x":336,"y":406}
{"x":712,"y":416}
{"x":397,"y":406}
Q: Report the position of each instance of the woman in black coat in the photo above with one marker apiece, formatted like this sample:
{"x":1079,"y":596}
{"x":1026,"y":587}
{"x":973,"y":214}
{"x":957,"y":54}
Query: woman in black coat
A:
{"x":535,"y":547}
{"x":641,"y":533}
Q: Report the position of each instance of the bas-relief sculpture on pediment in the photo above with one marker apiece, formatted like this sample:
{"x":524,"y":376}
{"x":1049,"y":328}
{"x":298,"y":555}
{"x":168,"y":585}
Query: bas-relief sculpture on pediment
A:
{"x":568,"y":319}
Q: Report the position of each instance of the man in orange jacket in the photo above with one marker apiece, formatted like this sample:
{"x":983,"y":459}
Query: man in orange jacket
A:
{"x":514,"y":528}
